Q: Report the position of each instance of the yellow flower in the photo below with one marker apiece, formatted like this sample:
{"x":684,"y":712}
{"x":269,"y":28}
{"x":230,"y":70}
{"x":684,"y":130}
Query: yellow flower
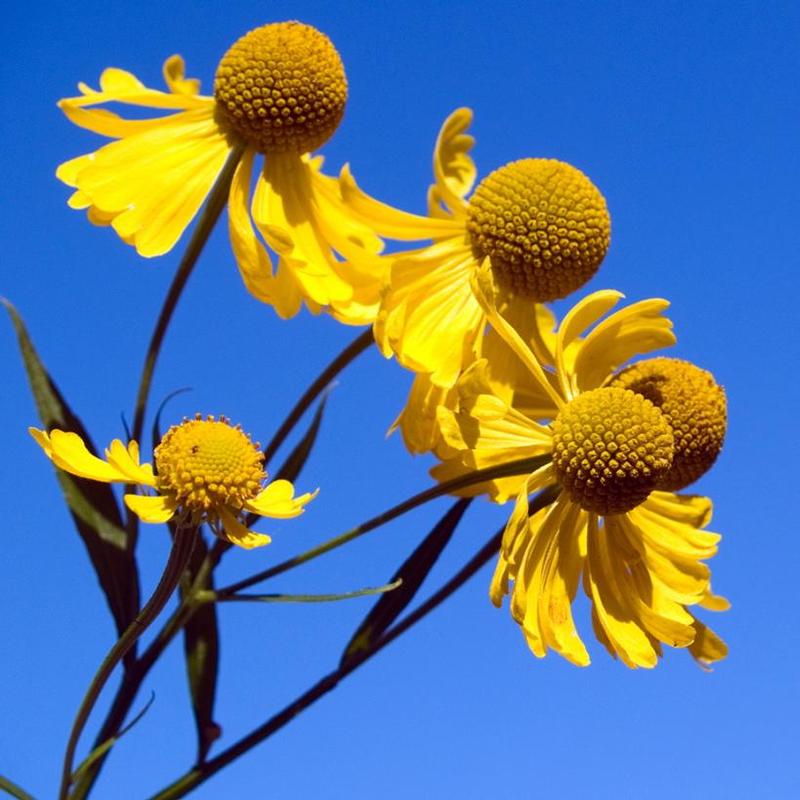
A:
{"x":279,"y":91}
{"x":639,"y":550}
{"x":206,"y":471}
{"x":543,"y":225}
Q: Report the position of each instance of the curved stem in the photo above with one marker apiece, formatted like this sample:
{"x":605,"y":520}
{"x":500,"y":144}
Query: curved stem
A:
{"x":202,"y":772}
{"x":354,"y":349}
{"x":519,"y":467}
{"x":178,"y":558}
{"x":11,"y":788}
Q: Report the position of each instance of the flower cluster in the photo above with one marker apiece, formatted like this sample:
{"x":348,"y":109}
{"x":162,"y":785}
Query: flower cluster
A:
{"x":496,"y":377}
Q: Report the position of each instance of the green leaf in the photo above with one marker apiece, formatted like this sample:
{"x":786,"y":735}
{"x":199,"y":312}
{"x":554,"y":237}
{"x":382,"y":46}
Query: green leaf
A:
{"x":93,"y":505}
{"x":212,"y":597}
{"x":296,"y":460}
{"x":201,"y":649}
{"x":412,"y":573}
{"x":105,"y":746}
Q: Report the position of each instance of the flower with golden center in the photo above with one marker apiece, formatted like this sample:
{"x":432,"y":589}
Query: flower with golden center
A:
{"x":207,"y":470}
{"x":639,"y":549}
{"x":279,"y":91}
{"x":541,"y":223}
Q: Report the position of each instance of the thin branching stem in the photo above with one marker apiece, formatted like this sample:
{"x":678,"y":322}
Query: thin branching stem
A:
{"x":202,"y":772}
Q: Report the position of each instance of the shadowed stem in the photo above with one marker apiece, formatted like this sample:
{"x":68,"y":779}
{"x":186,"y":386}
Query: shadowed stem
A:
{"x":205,"y":225}
{"x":11,"y":788}
{"x":202,"y":772}
{"x":178,"y":558}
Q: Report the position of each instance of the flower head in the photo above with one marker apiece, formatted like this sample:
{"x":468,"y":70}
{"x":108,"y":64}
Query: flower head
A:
{"x":693,"y":403}
{"x":206,"y":471}
{"x":639,"y":550}
{"x":280,"y":92}
{"x":541,"y":224}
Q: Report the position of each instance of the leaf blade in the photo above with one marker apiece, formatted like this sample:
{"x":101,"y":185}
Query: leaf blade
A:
{"x":92,"y":505}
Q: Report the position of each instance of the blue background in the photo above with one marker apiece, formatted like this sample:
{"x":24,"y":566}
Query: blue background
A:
{"x":686,"y":116}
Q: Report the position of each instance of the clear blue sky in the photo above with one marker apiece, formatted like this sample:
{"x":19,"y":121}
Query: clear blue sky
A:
{"x":686,"y":116}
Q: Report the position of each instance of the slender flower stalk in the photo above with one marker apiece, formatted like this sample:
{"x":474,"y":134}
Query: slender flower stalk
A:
{"x":202,"y":772}
{"x":183,"y":543}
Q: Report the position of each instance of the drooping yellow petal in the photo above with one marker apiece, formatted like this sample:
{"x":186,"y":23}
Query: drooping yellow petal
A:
{"x":69,"y":452}
{"x":283,"y":211}
{"x":151,"y":185}
{"x":692,"y":509}
{"x":277,"y":500}
{"x":238,"y":534}
{"x":418,"y":420}
{"x":429,"y":316}
{"x":388,"y":221}
{"x":453,"y":169}
{"x":251,"y":256}
{"x":707,"y":647}
{"x":151,"y":509}
{"x":561,"y":569}
{"x":614,"y":613}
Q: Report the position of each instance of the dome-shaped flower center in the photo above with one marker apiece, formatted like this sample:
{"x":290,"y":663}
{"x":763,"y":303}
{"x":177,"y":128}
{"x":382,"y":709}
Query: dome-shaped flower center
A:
{"x":208,"y":463}
{"x":282,"y":88}
{"x":694,"y":405}
{"x":544,"y":225}
{"x":610,"y":449}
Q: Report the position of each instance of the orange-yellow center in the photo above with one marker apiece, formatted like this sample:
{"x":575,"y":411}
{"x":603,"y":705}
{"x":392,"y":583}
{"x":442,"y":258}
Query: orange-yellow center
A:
{"x":611,"y":447}
{"x":208,"y":463}
{"x":282,"y":88}
{"x":694,"y":405}
{"x":544,"y":225}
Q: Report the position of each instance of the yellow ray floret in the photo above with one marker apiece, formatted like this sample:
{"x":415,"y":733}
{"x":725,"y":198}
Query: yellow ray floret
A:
{"x":206,"y":471}
{"x":280,"y":92}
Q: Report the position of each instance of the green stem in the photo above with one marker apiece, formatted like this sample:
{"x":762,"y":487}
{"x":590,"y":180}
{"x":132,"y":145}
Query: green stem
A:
{"x":133,"y":677}
{"x":202,"y":772}
{"x":9,"y":787}
{"x":354,"y":349}
{"x":520,"y":467}
{"x":215,"y":203}
{"x":178,"y":558}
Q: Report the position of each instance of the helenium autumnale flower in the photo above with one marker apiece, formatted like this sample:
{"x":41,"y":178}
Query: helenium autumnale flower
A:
{"x":207,"y":470}
{"x":542,"y":224}
{"x":280,"y":91}
{"x":638,"y":549}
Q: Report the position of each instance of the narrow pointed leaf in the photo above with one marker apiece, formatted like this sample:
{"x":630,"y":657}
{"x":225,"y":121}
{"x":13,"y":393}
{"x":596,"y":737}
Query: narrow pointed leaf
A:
{"x":105,"y":746}
{"x":301,"y":598}
{"x":201,"y":649}
{"x":412,"y":573}
{"x":93,"y":505}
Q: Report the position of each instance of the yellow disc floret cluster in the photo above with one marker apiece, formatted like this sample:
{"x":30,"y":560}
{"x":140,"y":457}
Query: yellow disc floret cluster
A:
{"x":611,"y":447}
{"x":208,"y":463}
{"x":544,"y":225}
{"x":695,"y":406}
{"x":282,"y":88}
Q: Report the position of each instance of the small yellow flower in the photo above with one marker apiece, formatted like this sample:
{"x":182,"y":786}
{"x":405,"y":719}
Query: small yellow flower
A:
{"x":279,"y":91}
{"x":541,"y":223}
{"x":206,"y":471}
{"x":639,"y":549}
